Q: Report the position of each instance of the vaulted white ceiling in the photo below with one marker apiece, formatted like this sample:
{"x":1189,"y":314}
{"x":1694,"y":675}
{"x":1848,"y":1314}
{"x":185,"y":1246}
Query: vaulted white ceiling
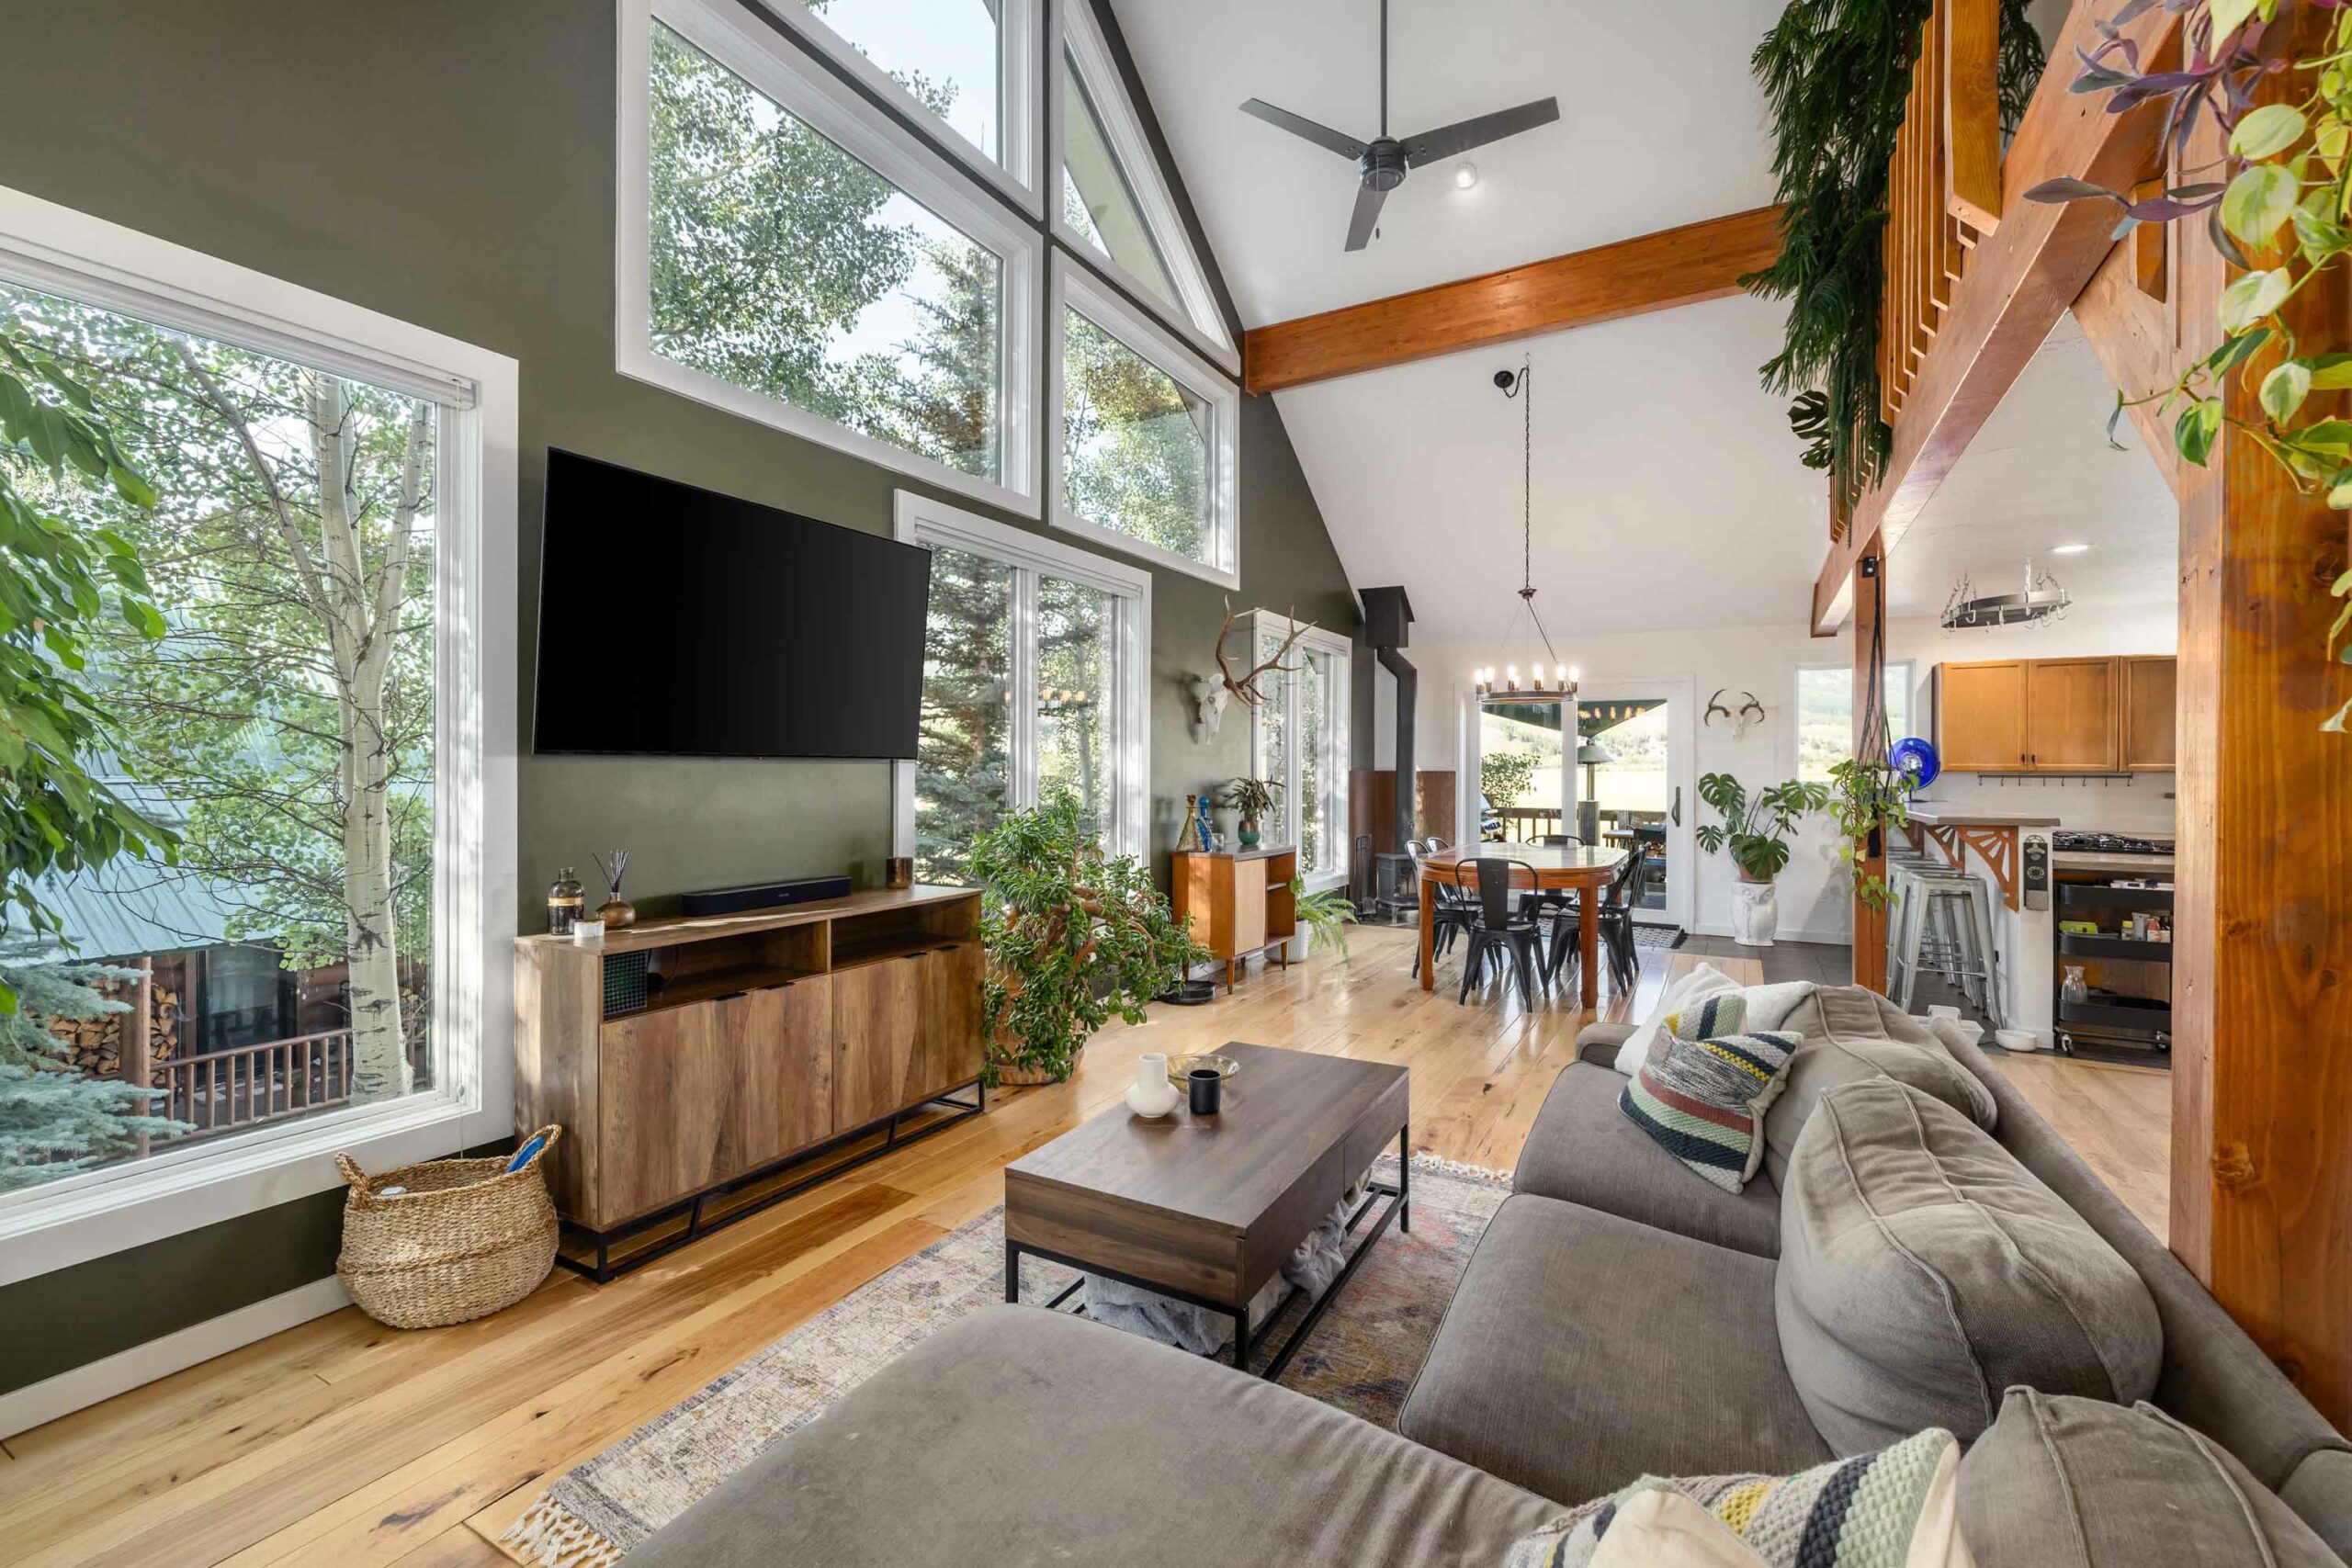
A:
{"x":1667,"y":492}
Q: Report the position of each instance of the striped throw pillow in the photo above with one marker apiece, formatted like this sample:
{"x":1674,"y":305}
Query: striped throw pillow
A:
{"x":1895,"y":1509}
{"x":1703,"y":1100}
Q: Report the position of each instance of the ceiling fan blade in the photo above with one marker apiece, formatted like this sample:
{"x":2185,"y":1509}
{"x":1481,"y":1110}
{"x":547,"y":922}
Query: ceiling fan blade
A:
{"x":1299,"y":125}
{"x":1367,"y":213}
{"x":1452,"y":140}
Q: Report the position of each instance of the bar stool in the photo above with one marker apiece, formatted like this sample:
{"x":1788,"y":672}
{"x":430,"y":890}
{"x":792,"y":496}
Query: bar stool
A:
{"x":1944,"y":925}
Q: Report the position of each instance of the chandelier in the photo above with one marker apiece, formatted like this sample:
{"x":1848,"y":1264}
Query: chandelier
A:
{"x":2043,"y":602}
{"x":1504,"y":682}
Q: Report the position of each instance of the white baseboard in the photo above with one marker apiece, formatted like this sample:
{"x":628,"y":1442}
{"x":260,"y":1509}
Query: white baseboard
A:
{"x":1834,"y":936}
{"x":86,"y":1385}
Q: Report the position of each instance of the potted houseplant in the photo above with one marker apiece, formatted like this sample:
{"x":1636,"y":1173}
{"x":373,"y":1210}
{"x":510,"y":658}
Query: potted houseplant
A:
{"x":1868,"y":798}
{"x":1322,"y":917}
{"x":1254,"y":798}
{"x":1073,"y":936}
{"x":1756,"y":832}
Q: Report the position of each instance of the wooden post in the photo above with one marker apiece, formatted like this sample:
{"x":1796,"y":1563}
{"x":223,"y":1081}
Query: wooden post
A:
{"x":138,"y":1063}
{"x":1870,"y":604}
{"x":2262,"y":1079}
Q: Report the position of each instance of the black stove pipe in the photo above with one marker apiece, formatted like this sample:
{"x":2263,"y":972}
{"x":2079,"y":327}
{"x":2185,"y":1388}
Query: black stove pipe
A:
{"x":1408,"y":679}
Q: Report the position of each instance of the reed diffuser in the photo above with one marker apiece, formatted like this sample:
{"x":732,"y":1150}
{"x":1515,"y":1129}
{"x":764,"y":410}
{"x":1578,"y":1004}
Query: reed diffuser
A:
{"x":616,"y":913}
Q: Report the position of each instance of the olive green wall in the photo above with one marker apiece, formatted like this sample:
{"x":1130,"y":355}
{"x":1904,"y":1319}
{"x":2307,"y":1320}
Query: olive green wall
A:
{"x":449,"y":162}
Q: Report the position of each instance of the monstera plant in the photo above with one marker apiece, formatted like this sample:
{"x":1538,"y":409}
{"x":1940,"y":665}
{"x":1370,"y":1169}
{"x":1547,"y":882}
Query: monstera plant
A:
{"x":1074,"y":936}
{"x":1756,"y":834}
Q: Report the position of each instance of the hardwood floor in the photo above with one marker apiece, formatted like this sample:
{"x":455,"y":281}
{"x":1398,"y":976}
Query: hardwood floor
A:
{"x":344,"y":1442}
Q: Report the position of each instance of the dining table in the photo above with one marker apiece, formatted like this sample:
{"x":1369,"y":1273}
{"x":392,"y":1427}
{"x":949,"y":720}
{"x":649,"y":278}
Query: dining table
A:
{"x":1584,"y":869}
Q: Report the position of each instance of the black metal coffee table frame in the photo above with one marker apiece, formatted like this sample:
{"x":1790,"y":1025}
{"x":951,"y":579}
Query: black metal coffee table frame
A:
{"x":1397,"y":1208}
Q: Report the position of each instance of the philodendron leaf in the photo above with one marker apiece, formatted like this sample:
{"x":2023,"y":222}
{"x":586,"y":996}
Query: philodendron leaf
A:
{"x":2195,"y":431}
{"x":2229,"y":15}
{"x":2252,"y":297}
{"x":2233,"y":351}
{"x":2259,"y":201}
{"x":2271,"y":129}
{"x":2284,"y":389}
{"x":2339,"y":497}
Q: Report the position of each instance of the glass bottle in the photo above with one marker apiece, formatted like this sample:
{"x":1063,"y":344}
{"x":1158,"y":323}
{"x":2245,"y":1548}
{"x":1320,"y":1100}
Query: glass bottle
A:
{"x":565,"y":901}
{"x":2071,"y":988}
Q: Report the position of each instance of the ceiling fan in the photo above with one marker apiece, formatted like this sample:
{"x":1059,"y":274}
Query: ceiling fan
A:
{"x":1383,"y":163}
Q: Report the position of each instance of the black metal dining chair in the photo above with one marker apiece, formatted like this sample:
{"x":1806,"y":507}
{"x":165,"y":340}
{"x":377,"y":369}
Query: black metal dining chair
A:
{"x":1616,"y":920}
{"x":1449,"y":910}
{"x":1499,"y":922}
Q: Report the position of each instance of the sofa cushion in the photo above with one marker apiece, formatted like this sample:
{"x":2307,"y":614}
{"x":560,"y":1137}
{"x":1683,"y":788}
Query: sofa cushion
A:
{"x":1923,"y":1270}
{"x":1603,"y":1043}
{"x":1583,"y":1150}
{"x":1704,"y":980}
{"x":1583,"y":1351}
{"x":1851,"y":1034}
{"x":1702,"y":1100}
{"x":1022,"y":1437}
{"x":2080,"y":1481}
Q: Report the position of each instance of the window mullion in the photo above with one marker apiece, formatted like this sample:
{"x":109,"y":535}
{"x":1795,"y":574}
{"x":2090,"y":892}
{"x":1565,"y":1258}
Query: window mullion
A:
{"x":1024,"y":687}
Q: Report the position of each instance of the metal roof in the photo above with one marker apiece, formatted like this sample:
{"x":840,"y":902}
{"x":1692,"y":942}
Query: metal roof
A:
{"x":124,"y":911}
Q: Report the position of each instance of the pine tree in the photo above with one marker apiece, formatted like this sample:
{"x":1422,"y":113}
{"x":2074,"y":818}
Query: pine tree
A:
{"x":53,"y":1119}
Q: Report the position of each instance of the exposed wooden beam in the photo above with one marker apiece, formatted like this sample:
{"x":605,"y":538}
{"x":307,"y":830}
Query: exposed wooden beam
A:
{"x":2022,"y":277}
{"x":2137,"y":345}
{"x":2262,"y":1082}
{"x":1631,"y":278}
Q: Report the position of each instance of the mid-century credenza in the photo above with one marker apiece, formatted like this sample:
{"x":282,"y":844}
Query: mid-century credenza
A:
{"x":693,"y":1063}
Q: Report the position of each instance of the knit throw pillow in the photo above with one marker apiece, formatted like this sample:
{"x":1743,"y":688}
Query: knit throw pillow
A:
{"x":1895,"y":1509}
{"x":1703,"y":1099}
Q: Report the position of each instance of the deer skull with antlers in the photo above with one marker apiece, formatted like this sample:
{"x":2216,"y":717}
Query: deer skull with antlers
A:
{"x":1748,"y":713}
{"x":1245,"y":687}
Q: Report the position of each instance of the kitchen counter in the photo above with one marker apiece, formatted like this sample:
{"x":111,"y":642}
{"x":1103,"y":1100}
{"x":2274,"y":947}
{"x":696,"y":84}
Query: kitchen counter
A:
{"x":1934,"y":814}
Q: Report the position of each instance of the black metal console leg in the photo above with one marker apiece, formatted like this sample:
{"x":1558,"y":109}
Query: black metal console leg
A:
{"x":1405,"y":1179}
{"x":1241,"y":1340}
{"x":1011,"y":1272}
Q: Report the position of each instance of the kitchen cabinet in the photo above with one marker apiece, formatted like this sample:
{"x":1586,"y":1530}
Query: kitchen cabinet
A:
{"x":2055,"y":715}
{"x":2070,"y":715}
{"x":2150,"y":718}
{"x":1979,"y":717}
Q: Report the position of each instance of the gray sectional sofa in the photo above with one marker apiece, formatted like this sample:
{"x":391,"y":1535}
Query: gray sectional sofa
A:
{"x":1889,"y":1267}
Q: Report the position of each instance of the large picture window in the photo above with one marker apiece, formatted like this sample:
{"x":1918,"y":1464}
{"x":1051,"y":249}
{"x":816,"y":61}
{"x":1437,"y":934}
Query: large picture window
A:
{"x":1825,"y":728}
{"x":1145,"y":444}
{"x":309,"y":965}
{"x":787,"y":253}
{"x":1033,"y":683}
{"x":967,"y":67}
{"x":1299,"y":743}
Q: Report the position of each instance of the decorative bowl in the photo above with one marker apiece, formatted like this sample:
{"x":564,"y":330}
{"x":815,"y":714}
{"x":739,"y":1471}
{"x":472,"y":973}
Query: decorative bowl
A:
{"x":1180,"y":1068}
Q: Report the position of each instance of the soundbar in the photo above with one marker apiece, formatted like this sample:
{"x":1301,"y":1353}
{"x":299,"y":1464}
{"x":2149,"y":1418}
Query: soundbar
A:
{"x":763,"y":896}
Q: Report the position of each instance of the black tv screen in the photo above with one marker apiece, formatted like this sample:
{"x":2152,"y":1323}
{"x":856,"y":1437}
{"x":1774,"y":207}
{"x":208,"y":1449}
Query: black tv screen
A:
{"x":680,"y":622}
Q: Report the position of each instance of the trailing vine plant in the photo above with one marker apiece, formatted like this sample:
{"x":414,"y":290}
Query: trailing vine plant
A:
{"x":1835,"y":74}
{"x":2281,"y":191}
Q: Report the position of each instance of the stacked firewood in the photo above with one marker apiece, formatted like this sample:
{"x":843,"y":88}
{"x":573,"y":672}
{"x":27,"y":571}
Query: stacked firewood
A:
{"x":93,"y":1045}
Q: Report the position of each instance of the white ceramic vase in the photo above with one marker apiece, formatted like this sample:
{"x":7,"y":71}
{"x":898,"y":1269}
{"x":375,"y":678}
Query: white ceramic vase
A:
{"x":1755,"y":913}
{"x":1151,"y":1094}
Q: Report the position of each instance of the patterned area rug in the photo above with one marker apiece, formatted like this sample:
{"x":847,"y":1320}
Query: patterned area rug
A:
{"x":1361,"y":1357}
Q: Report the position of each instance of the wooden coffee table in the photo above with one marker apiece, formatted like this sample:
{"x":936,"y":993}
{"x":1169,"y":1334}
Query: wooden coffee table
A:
{"x":1206,"y":1209}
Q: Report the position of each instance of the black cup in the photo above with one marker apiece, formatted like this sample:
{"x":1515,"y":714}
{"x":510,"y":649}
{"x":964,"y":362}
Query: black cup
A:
{"x":1208,"y":1090}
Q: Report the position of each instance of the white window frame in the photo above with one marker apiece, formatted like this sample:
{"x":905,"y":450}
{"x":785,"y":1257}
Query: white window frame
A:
{"x":1018,"y":25}
{"x":921,"y":520}
{"x":809,"y":92}
{"x":95,"y":1212}
{"x":1078,"y":36}
{"x":1333,"y":744}
{"x":1143,"y":336}
{"x":1791,"y":753}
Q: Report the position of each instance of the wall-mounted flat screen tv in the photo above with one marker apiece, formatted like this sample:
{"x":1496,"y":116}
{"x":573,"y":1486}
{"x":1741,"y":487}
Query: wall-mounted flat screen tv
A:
{"x":678,"y":622}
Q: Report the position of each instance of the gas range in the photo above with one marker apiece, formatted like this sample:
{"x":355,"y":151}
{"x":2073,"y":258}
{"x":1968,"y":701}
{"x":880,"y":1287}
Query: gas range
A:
{"x":2109,"y":844}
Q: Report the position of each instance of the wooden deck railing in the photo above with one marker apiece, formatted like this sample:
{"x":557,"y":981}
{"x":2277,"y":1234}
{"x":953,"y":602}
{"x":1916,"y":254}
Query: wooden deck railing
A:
{"x":252,"y":1084}
{"x":1943,"y":186}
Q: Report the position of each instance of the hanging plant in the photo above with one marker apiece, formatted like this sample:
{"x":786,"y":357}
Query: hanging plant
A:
{"x":1835,"y":74}
{"x":2282,"y":187}
{"x":1867,"y":797}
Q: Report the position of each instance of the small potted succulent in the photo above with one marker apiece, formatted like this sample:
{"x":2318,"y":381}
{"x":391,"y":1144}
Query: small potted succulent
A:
{"x":1073,"y":936}
{"x":1756,"y":833}
{"x":1254,"y":798}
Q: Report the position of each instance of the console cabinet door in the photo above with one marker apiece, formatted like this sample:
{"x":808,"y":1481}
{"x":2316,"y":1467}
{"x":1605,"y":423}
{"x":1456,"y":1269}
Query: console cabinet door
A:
{"x":2070,"y":715}
{"x":659,"y":1086}
{"x":877,"y":1010}
{"x":1979,"y":717}
{"x":778,"y":1051}
{"x":950,"y":1047}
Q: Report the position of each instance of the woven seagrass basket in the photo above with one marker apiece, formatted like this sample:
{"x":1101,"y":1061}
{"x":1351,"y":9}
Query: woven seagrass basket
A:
{"x":466,"y":1239}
